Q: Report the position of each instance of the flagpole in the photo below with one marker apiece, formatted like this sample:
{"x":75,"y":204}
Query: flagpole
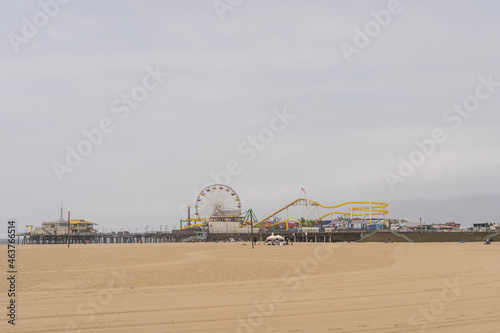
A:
{"x":251,"y":225}
{"x":68,"y":225}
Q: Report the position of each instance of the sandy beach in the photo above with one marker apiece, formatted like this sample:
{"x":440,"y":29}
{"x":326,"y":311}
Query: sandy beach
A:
{"x":228,"y":287}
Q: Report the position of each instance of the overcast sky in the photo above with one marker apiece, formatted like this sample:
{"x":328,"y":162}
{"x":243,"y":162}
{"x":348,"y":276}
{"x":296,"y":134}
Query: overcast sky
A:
{"x":335,"y":92}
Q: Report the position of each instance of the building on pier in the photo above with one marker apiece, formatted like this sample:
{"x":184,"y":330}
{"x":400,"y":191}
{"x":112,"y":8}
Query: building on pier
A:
{"x":60,"y":227}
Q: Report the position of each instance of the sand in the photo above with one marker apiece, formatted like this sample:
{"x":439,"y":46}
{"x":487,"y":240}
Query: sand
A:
{"x":228,"y":287}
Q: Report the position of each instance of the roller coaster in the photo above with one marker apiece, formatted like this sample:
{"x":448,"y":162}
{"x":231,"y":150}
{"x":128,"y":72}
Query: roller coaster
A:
{"x":225,"y":206}
{"x":368,"y":211}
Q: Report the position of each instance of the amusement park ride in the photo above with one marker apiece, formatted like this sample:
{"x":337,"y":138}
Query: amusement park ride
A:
{"x":214,"y":203}
{"x":220,"y":203}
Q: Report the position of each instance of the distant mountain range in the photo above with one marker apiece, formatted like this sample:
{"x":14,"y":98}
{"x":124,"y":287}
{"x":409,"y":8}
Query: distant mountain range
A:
{"x":465,"y":209}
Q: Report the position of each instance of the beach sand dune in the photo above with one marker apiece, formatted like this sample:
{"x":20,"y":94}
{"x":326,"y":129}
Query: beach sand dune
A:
{"x":228,"y":287}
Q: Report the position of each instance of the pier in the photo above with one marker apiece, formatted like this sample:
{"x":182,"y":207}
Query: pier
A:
{"x":185,"y":236}
{"x":100,"y":238}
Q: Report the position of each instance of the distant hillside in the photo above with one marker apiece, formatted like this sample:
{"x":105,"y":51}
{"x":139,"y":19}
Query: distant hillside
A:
{"x":465,"y":209}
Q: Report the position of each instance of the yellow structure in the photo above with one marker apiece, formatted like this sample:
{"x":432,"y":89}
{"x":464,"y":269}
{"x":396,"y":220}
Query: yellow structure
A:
{"x":364,"y":209}
{"x":81,"y":227}
{"x":31,"y":230}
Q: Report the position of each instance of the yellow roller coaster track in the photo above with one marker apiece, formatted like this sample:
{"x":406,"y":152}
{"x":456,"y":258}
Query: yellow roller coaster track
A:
{"x":371,"y":208}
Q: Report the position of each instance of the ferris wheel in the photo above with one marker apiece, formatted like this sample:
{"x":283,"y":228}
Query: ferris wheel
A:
{"x":217,"y":201}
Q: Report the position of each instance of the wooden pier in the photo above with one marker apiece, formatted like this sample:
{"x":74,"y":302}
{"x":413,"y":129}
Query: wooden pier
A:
{"x":101,"y":238}
{"x":178,"y":236}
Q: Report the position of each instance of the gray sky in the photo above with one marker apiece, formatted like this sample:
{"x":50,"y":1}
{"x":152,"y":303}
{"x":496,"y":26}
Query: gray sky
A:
{"x":354,"y":116}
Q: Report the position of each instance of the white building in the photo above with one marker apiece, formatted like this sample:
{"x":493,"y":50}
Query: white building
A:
{"x":485,"y":226}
